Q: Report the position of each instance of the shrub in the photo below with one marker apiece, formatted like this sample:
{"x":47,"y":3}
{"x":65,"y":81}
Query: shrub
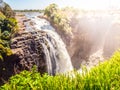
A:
{"x":7,"y":11}
{"x":8,"y":24}
{"x":8,"y":27}
{"x":58,"y":18}
{"x":2,"y":16}
{"x":5,"y":35}
{"x":4,"y":51}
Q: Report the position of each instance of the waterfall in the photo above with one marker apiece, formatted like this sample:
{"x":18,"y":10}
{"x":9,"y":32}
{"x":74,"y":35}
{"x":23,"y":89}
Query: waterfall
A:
{"x":55,"y":52}
{"x":58,"y":59}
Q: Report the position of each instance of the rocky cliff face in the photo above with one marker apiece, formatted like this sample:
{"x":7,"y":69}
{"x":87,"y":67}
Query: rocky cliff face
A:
{"x":27,"y":52}
{"x":27,"y":46}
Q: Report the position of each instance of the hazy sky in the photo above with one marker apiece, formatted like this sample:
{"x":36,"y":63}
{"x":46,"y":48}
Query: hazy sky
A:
{"x":82,"y":4}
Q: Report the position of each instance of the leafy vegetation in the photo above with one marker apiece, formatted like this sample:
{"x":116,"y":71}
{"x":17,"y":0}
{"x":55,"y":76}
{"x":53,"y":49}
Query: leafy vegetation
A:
{"x":8,"y":27}
{"x":2,"y":16}
{"x":106,"y":76}
{"x":8,"y":24}
{"x":58,"y":18}
{"x":4,"y":51}
{"x":7,"y":11}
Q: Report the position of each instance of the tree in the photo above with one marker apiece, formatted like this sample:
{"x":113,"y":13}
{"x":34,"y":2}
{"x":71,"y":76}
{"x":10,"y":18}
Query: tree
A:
{"x":7,"y":11}
{"x":50,"y":10}
{"x":8,"y":24}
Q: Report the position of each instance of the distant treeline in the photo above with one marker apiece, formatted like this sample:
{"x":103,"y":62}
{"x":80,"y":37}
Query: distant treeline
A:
{"x":31,"y":10}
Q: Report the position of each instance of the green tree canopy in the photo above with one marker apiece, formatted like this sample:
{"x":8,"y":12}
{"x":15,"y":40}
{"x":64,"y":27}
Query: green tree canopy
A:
{"x":50,"y":9}
{"x":7,"y":11}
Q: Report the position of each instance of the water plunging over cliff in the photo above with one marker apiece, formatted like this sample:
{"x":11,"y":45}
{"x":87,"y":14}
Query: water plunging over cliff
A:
{"x":55,"y":53}
{"x":57,"y":58}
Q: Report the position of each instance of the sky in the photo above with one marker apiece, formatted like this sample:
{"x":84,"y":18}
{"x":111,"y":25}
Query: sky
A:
{"x":81,"y":4}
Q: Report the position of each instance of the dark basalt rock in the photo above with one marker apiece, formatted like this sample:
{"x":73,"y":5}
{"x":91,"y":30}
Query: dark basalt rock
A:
{"x":27,"y":52}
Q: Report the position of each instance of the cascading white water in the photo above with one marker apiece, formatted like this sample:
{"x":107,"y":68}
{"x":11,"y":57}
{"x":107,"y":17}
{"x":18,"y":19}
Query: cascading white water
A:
{"x":56,"y":55}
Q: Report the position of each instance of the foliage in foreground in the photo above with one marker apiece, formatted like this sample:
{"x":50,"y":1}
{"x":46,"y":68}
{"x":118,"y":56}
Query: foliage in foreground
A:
{"x":106,"y":76}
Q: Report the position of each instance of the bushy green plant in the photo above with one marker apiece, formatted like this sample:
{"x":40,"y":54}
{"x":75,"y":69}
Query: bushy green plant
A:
{"x":7,"y":11}
{"x":2,"y":16}
{"x":58,"y":18}
{"x":8,"y":24}
{"x":50,"y":10}
{"x":8,"y":27}
{"x":106,"y":76}
{"x":5,"y":35}
{"x":4,"y":51}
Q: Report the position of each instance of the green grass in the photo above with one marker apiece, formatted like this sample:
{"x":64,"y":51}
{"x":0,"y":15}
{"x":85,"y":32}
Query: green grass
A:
{"x":106,"y":76}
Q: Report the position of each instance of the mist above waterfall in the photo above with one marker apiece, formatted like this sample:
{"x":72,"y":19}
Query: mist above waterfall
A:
{"x":95,"y":33}
{"x":101,"y":26}
{"x":96,"y":27}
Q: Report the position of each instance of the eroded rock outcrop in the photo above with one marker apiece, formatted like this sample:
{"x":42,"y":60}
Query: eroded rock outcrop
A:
{"x":27,"y":52}
{"x":27,"y":46}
